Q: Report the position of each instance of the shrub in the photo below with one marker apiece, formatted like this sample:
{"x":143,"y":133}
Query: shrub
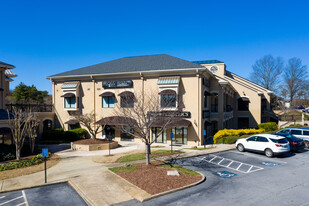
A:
{"x":228,"y":139}
{"x":80,"y":133}
{"x":53,"y":134}
{"x":268,"y":126}
{"x":23,"y":163}
{"x":295,"y":125}
{"x":235,"y":132}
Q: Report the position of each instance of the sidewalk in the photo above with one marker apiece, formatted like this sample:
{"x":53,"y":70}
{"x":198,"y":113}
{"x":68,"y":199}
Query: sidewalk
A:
{"x":93,"y":180}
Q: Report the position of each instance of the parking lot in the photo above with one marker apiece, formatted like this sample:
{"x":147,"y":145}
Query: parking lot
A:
{"x":58,"y":194}
{"x":235,"y":178}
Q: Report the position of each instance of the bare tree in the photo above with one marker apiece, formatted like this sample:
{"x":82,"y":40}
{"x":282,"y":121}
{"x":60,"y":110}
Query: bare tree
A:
{"x":18,"y":121}
{"x":139,"y":113}
{"x":284,"y":93}
{"x":32,"y":128}
{"x":88,"y":121}
{"x":266,"y":71}
{"x":295,"y":75}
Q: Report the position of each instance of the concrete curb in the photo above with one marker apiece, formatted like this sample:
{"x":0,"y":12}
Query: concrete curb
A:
{"x":34,"y":186}
{"x":81,"y":193}
{"x":162,"y":193}
{"x":177,"y":189}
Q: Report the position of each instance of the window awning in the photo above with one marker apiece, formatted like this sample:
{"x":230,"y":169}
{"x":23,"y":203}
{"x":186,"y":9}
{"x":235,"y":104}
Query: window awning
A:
{"x":116,"y":120}
{"x":174,"y":122}
{"x":9,"y":73}
{"x":68,"y":95}
{"x":107,"y":94}
{"x":169,"y":80}
{"x":72,"y":121}
{"x":167,"y":92}
{"x":126,"y":93}
{"x":70,"y":85}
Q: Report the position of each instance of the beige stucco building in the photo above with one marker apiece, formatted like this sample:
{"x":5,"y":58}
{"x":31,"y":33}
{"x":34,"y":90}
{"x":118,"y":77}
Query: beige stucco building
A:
{"x":210,"y":97}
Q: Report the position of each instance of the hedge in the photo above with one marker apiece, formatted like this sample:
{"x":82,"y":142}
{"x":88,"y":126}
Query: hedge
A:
{"x":268,"y":126}
{"x":235,"y":132}
{"x":68,"y":136}
{"x":23,"y":163}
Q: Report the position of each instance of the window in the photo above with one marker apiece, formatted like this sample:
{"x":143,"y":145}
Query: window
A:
{"x":70,"y":102}
{"x":262,"y":139}
{"x":168,"y":100}
{"x":285,"y":131}
{"x":161,"y":138}
{"x":282,"y":141}
{"x":127,"y":101}
{"x":243,"y":105}
{"x":252,"y":138}
{"x":108,"y":102}
{"x":305,"y":132}
{"x":297,"y":132}
{"x":126,"y":134}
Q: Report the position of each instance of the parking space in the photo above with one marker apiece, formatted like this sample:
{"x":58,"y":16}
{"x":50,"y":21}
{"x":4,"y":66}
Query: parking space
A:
{"x":58,"y":194}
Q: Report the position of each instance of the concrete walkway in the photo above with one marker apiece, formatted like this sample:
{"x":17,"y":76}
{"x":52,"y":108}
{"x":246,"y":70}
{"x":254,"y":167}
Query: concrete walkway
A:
{"x":93,"y":180}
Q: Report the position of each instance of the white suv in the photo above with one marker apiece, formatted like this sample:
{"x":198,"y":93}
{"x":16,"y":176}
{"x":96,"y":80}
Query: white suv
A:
{"x":265,"y":143}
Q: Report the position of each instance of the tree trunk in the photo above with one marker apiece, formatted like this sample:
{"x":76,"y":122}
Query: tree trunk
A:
{"x":147,"y":154}
{"x":32,"y":141}
{"x":17,"y":152}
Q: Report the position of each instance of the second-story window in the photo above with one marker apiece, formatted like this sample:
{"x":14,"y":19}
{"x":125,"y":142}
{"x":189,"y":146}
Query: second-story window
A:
{"x":127,"y":99}
{"x":168,"y":99}
{"x":108,"y":102}
{"x":70,"y":102}
{"x":243,"y":104}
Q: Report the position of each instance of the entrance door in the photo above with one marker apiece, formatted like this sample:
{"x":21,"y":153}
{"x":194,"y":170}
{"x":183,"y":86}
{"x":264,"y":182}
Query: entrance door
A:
{"x":161,"y":138}
{"x":126,"y":134}
{"x":109,"y":132}
{"x":180,"y":134}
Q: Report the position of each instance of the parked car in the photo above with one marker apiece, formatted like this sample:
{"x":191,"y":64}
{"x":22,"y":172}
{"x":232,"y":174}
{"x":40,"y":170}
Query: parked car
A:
{"x":269,"y":144}
{"x":300,"y":132}
{"x":296,"y":144}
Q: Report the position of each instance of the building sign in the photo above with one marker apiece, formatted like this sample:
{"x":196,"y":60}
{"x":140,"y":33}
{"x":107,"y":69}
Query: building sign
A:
{"x":117,"y":84}
{"x":170,"y":114}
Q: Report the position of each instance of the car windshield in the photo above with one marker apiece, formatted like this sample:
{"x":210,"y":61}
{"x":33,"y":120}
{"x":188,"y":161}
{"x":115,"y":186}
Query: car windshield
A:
{"x":283,"y":140}
{"x":292,"y":137}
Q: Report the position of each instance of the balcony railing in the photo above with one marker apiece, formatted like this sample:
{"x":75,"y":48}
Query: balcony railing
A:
{"x":31,"y":107}
{"x":214,"y":108}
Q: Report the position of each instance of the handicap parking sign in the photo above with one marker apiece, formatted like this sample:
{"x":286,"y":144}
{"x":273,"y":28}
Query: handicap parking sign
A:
{"x":45,"y":152}
{"x":225,"y":174}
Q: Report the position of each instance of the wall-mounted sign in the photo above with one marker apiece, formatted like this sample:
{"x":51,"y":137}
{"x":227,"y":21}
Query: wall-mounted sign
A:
{"x":170,"y":114}
{"x":117,"y":84}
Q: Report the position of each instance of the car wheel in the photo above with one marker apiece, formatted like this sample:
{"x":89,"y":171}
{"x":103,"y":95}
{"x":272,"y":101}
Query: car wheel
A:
{"x":240,"y":148}
{"x":269,"y":153}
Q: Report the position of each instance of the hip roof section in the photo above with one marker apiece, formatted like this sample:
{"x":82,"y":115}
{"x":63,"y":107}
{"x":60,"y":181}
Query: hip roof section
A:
{"x":131,"y":65}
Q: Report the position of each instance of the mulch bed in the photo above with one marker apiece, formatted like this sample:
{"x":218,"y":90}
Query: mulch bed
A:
{"x":154,"y":179}
{"x":92,"y":141}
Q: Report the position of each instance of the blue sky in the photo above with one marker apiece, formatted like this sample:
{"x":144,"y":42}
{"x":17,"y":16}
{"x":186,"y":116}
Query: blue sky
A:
{"x":42,"y":38}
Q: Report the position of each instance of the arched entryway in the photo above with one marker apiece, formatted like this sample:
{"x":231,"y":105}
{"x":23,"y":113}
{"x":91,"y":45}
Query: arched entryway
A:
{"x":47,"y":124}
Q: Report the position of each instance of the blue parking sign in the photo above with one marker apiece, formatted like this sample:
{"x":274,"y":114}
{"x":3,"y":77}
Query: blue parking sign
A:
{"x":204,"y":132}
{"x":172,"y":135}
{"x":45,"y":152}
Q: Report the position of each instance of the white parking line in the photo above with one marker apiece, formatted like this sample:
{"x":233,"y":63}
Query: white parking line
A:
{"x":2,"y":197}
{"x":11,"y":200}
{"x":24,"y":203}
{"x":252,"y":168}
{"x":25,"y":198}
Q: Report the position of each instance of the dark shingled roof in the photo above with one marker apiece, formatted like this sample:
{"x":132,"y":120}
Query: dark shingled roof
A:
{"x":134,"y":64}
{"x":5,"y":64}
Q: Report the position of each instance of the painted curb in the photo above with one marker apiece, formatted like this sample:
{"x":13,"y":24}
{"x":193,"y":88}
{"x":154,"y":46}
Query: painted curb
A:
{"x":166,"y":192}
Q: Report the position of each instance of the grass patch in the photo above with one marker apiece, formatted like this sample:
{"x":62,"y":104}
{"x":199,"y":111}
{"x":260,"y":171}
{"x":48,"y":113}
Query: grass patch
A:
{"x":201,"y":148}
{"x":132,"y":157}
{"x":179,"y":168}
{"x":142,"y":156}
{"x":129,"y":168}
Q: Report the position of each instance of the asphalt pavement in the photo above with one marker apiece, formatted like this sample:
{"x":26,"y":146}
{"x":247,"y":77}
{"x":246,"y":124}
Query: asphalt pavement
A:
{"x":55,"y":195}
{"x":234,"y":178}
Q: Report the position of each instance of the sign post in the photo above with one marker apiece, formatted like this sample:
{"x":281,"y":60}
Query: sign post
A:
{"x":204,"y":134}
{"x":45,"y":154}
{"x":172,"y":137}
{"x":109,"y":144}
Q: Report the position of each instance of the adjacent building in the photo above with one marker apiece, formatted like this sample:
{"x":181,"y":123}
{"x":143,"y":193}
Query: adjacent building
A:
{"x":211,"y":97}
